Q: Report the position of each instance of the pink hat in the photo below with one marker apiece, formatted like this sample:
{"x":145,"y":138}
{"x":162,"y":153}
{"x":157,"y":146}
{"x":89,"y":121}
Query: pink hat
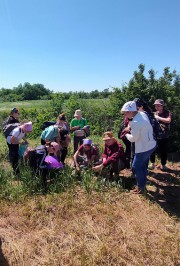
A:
{"x":87,"y":141}
{"x":27,"y":127}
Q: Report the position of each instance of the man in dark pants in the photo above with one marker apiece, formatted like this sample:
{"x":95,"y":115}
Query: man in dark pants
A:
{"x":76,"y":126}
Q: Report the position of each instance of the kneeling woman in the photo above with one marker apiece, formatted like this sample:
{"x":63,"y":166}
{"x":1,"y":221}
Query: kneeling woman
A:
{"x":86,"y":155}
{"x":113,"y":158}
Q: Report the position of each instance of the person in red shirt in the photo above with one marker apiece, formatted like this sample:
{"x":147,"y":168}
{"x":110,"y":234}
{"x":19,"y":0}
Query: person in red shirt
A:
{"x":85,"y":155}
{"x":113,"y":156}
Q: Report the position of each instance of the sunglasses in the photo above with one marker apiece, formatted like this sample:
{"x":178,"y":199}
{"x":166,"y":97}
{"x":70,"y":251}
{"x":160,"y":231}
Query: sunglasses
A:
{"x":15,"y":110}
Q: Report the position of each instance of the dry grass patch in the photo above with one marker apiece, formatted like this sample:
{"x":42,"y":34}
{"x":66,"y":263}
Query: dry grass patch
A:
{"x":77,"y":229}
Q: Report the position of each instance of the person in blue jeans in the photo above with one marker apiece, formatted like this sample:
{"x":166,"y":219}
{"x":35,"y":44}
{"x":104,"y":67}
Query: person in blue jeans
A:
{"x":142,"y":135}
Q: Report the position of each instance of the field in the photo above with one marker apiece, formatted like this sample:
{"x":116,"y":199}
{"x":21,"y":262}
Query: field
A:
{"x":87,"y":222}
{"x":111,"y":227}
{"x":7,"y":106}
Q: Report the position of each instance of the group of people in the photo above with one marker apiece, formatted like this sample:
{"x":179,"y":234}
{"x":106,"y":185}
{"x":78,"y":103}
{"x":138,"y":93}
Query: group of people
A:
{"x":137,"y":135}
{"x":139,"y":131}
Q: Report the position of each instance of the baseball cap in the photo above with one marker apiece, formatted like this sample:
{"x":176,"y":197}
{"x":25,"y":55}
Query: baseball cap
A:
{"x":129,"y":107}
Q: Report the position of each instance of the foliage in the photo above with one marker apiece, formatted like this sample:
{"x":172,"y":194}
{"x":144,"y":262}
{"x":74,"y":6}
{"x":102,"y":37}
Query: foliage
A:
{"x":166,"y":87}
{"x":24,"y":92}
{"x":102,"y":113}
{"x":38,"y":91}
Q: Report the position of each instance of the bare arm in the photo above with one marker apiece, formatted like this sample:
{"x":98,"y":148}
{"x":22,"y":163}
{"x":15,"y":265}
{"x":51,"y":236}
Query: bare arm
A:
{"x":162,"y":119}
{"x":74,"y":128}
{"x":75,"y":159}
{"x":15,"y":140}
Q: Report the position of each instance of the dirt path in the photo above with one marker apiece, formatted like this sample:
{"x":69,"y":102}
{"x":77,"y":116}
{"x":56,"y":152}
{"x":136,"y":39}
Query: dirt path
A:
{"x":163,"y":187}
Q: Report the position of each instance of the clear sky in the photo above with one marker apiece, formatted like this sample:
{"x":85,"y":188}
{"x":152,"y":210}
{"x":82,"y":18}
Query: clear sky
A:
{"x":73,"y":45}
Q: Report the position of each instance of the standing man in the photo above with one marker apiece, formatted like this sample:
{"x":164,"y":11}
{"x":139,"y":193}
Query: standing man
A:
{"x":163,"y":117}
{"x":142,"y":135}
{"x":77,"y":124}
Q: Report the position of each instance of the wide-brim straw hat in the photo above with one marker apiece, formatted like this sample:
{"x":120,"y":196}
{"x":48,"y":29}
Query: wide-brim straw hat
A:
{"x":108,"y":135}
{"x":77,"y":113}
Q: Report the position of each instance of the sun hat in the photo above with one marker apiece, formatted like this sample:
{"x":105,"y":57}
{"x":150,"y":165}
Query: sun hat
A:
{"x":108,"y":135}
{"x":159,"y":101}
{"x":77,"y":113}
{"x":55,"y":145}
{"x":87,"y":141}
{"x":27,"y":127}
{"x":129,"y":107}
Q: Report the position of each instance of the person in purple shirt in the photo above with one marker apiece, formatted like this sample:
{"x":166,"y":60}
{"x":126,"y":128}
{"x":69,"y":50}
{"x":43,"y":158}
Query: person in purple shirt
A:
{"x":113,"y":156}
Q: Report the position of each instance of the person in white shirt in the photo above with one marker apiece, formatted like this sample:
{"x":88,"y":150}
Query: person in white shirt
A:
{"x":142,"y":135}
{"x":13,"y":141}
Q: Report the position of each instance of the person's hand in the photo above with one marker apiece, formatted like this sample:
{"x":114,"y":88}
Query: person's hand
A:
{"x":156,"y":116}
{"x":97,"y":168}
{"x":78,"y":168}
{"x":24,"y":143}
{"x":126,"y":129}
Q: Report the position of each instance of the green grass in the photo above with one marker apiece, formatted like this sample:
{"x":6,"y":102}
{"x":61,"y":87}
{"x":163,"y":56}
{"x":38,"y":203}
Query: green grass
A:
{"x":38,"y":104}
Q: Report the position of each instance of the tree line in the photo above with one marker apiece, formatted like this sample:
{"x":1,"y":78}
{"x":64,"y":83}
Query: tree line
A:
{"x":105,"y":113}
{"x":39,"y":92}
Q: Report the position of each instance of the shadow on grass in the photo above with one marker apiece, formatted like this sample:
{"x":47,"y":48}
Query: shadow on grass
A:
{"x":164,"y":189}
{"x":3,"y":260}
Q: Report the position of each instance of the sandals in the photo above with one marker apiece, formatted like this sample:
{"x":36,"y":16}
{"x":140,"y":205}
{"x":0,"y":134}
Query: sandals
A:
{"x":136,"y":190}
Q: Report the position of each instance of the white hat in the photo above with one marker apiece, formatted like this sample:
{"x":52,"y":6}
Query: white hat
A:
{"x":129,"y":107}
{"x":78,"y":113}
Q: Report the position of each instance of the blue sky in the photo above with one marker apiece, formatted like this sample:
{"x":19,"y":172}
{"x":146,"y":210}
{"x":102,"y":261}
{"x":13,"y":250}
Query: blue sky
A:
{"x":74,"y":45}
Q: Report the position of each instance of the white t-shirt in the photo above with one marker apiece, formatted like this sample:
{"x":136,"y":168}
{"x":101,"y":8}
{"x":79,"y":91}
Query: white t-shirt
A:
{"x":141,"y":133}
{"x":17,"y":133}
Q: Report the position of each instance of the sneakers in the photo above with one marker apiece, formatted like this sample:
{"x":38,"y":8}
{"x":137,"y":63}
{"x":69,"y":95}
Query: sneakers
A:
{"x":151,"y":166}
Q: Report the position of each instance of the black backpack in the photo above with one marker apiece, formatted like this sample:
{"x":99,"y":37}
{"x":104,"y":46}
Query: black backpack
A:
{"x":160,"y":130}
{"x":47,"y":124}
{"x":7,"y":128}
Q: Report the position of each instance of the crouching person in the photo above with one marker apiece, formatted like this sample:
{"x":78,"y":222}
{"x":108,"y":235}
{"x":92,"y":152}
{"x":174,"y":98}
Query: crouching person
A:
{"x":86,"y":155}
{"x":52,"y":164}
{"x":113,"y":158}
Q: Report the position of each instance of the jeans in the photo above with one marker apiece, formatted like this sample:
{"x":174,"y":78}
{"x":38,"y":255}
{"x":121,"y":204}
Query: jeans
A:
{"x":140,"y":165}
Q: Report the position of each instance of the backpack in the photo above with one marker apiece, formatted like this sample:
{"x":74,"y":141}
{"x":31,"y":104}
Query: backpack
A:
{"x":47,"y":124}
{"x":34,"y":157}
{"x":160,"y":130}
{"x":121,"y":128}
{"x":7,"y":128}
